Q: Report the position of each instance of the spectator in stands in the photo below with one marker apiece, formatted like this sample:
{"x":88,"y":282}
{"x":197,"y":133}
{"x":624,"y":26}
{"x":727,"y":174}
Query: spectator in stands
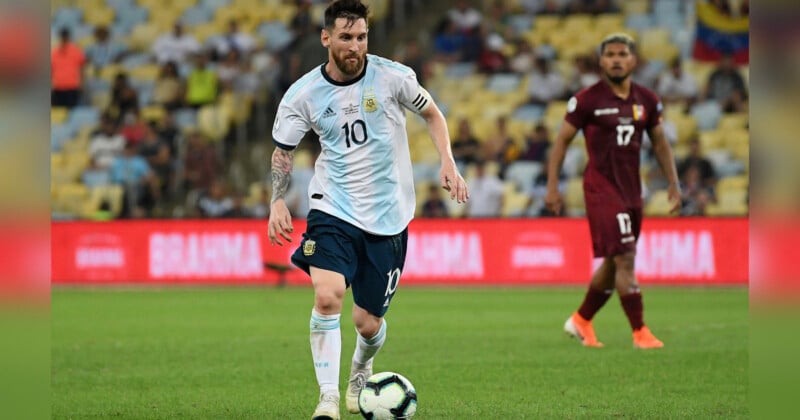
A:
{"x":235,"y":40}
{"x":106,"y":144}
{"x":66,"y":67}
{"x":695,"y":159}
{"x":466,"y":148}
{"x":176,"y":46}
{"x":498,"y":19}
{"x":134,"y":127}
{"x":169,"y":89}
{"x":725,"y":82}
{"x":491,"y":59}
{"x":645,"y":73}
{"x":202,"y":84}
{"x":524,"y":57}
{"x":485,"y":193}
{"x":501,"y":146}
{"x":448,"y":44}
{"x":591,"y":6}
{"x":229,"y":69}
{"x":537,"y":192}
{"x":124,"y":97}
{"x":157,"y":154}
{"x":201,"y":164}
{"x":464,"y":16}
{"x":586,"y":73}
{"x":411,"y":55}
{"x":259,"y":209}
{"x":217,"y":203}
{"x":434,"y":206}
{"x":132,"y":172}
{"x":545,"y":7}
{"x":537,"y":144}
{"x":544,"y":84}
{"x":676,"y":85}
{"x":696,"y":195}
{"x":169,"y":133}
{"x":104,"y":50}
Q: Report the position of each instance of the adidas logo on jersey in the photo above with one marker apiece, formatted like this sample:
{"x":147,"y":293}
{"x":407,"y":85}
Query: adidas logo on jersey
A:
{"x":328,"y":113}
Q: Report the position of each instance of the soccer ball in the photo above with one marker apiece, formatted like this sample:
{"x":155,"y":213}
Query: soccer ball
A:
{"x":387,"y":396}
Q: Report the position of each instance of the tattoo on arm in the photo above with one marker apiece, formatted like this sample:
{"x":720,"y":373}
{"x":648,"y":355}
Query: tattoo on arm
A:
{"x":282,"y":161}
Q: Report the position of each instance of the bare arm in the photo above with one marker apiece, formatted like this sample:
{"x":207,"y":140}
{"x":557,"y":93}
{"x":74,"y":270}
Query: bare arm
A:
{"x":555,"y":160}
{"x":280,"y":220}
{"x":282,"y":163}
{"x":450,"y":179}
{"x":665,"y":159}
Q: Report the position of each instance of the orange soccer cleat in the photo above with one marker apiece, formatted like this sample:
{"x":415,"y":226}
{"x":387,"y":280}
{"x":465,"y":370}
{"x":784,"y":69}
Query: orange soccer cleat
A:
{"x":581,"y":329}
{"x":644,"y":339}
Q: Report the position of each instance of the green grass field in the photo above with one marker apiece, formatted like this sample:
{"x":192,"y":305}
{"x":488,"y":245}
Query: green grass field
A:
{"x":235,"y":353}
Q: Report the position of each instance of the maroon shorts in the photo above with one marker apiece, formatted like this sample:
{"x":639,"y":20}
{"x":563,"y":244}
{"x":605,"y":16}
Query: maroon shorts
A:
{"x":615,"y":228}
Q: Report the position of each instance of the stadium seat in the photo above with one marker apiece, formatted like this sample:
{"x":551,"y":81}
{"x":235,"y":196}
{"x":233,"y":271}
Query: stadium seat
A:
{"x":707,"y":114}
{"x":734,"y":121}
{"x":144,"y":35}
{"x":99,"y":16}
{"x":730,"y":202}
{"x":530,"y":113}
{"x":113,"y":194}
{"x":574,"y":204}
{"x":58,"y":115}
{"x":275,"y":34}
{"x":84,"y":115}
{"x":710,"y":140}
{"x":70,"y":198}
{"x":635,"y":6}
{"x":638,"y":22}
{"x":196,"y":15}
{"x":546,"y":23}
{"x":213,"y":122}
{"x":514,"y":202}
{"x":658,"y":204}
{"x":733,"y":183}
{"x":607,"y":23}
{"x":686,"y":126}
{"x":522,"y":174}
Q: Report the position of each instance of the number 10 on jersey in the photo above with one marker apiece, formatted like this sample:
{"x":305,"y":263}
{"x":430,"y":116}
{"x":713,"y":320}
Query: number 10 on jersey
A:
{"x":355,"y":133}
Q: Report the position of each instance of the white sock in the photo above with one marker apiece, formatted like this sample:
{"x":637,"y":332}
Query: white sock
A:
{"x":326,"y":350}
{"x":367,"y":347}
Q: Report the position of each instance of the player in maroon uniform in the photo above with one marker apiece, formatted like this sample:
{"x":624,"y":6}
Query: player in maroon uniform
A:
{"x":613,"y":114}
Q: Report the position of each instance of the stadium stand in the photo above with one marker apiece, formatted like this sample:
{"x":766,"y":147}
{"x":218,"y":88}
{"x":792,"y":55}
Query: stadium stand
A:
{"x":236,"y":124}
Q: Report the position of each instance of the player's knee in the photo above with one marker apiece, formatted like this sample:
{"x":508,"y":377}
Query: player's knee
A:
{"x":327,"y":301}
{"x":625,"y":263}
{"x":368,"y":326}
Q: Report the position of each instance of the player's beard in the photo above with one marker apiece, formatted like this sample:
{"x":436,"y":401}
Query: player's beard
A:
{"x":617,"y":80}
{"x":348,"y":68}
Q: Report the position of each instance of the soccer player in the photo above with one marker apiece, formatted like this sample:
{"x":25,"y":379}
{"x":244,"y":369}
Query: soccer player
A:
{"x":361,"y":195}
{"x":613,"y":114}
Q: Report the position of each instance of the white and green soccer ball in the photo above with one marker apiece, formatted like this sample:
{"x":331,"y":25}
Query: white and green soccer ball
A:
{"x":387,"y":396}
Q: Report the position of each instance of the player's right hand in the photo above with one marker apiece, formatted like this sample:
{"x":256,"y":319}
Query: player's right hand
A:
{"x":280,"y":223}
{"x":553,"y":201}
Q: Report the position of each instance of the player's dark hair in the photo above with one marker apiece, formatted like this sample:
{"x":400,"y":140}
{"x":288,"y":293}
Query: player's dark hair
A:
{"x":618,"y":38}
{"x":352,"y":10}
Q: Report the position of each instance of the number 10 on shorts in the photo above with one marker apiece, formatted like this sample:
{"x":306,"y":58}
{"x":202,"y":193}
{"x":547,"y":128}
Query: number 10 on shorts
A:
{"x":394,"y":280}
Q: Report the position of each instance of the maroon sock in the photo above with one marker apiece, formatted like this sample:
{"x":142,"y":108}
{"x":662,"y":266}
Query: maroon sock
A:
{"x":634,"y":309}
{"x":594,"y":300}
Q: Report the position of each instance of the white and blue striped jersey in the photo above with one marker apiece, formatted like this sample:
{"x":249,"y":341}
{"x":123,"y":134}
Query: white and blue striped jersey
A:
{"x":363,"y":174}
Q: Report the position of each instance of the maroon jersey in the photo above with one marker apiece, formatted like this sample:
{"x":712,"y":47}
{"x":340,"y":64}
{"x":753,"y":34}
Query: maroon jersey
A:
{"x":613,"y":130}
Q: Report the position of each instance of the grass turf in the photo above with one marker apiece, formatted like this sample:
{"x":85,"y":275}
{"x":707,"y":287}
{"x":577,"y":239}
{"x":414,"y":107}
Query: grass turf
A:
{"x":214,"y":353}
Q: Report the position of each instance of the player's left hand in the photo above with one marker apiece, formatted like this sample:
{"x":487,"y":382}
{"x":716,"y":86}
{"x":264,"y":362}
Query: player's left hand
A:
{"x":452,"y":182}
{"x":674,"y":194}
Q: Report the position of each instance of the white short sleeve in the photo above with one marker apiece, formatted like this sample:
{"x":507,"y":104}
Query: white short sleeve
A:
{"x":412,"y":95}
{"x":290,"y":127}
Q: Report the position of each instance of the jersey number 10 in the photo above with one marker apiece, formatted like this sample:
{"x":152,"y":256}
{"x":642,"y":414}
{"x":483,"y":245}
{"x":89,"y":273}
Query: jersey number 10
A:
{"x":356,"y":136}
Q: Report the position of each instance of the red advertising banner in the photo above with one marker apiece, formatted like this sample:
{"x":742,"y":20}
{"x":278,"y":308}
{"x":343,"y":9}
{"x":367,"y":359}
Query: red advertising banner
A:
{"x":457,"y":252}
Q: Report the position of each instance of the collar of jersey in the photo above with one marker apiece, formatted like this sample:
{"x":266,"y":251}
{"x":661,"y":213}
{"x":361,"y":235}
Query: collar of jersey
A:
{"x":347,"y":83}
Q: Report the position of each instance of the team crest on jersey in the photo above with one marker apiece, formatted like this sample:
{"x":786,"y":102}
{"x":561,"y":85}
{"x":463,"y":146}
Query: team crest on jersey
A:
{"x":638,"y":112}
{"x":309,"y":247}
{"x":370,"y":104}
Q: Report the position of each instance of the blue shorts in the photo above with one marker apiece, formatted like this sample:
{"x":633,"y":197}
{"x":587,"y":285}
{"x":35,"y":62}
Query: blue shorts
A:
{"x":371,"y":264}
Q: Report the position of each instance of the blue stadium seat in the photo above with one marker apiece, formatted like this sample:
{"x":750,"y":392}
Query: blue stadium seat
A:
{"x":67,"y":17}
{"x":707,"y":114}
{"x":136,"y":60}
{"x":667,"y":7}
{"x":214,"y":4}
{"x":528,"y":113}
{"x":131,"y":16}
{"x":59,"y":134}
{"x":521,"y":23}
{"x":503,"y":83}
{"x":197,"y":15}
{"x":459,"y":70}
{"x":639,"y":22}
{"x":276,"y":35}
{"x":185,"y":118}
{"x":82,"y":116}
{"x":121,"y":5}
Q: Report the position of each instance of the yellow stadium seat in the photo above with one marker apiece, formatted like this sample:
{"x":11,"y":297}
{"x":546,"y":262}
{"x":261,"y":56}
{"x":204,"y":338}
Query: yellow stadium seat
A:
{"x":710,"y":140}
{"x":143,"y":36}
{"x":658,"y":204}
{"x":182,"y":5}
{"x":732,"y":202}
{"x":578,"y":23}
{"x":153,"y":113}
{"x":663,"y":52}
{"x":147,"y":72}
{"x":686,"y":126}
{"x":546,"y":23}
{"x":556,"y":109}
{"x":609,"y":23}
{"x":113,"y":194}
{"x":213,"y":121}
{"x":71,"y":198}
{"x":733,"y":121}
{"x":738,"y":182}
{"x":742,"y":152}
{"x":735,"y":138}
{"x":99,"y":16}
{"x":205,"y":30}
{"x":58,"y":115}
{"x":638,"y":7}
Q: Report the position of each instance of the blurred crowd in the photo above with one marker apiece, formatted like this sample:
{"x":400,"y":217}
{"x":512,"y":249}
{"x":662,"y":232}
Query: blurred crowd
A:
{"x":158,"y":124}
